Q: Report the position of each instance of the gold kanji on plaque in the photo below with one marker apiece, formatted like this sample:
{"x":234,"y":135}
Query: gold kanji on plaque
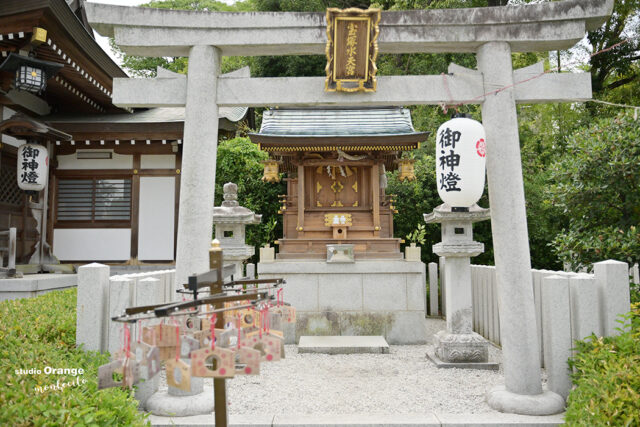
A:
{"x":352,"y":49}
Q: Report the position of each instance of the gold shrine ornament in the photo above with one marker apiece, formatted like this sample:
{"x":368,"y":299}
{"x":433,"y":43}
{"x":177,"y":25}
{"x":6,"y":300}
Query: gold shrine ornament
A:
{"x":407,"y":171}
{"x":271,"y":171}
{"x":352,"y":50}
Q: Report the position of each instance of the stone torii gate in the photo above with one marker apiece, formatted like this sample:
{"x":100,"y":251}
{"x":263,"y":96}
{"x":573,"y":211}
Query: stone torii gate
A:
{"x":491,"y":33}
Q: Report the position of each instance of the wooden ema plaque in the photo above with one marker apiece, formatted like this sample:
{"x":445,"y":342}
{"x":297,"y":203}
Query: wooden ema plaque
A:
{"x":352,"y":49}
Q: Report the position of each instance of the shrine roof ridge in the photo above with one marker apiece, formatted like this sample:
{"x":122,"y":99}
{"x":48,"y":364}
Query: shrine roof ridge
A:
{"x":333,"y":122}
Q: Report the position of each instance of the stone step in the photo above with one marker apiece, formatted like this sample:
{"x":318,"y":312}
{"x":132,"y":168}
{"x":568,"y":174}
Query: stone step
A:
{"x":343,"y":344}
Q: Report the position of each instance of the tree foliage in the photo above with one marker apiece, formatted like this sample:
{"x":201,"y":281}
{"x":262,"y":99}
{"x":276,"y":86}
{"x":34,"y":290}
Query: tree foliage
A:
{"x":238,"y":161}
{"x":596,"y":184}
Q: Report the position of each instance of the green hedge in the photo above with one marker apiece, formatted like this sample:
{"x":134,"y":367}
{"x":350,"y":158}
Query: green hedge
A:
{"x":607,"y":378}
{"x":40,"y":332}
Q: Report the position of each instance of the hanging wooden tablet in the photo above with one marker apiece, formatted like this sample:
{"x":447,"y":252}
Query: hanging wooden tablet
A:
{"x":107,"y":372}
{"x":129,"y":373}
{"x":269,"y":345}
{"x":187,"y":345}
{"x":159,"y":335}
{"x":190,"y":324}
{"x":250,"y":358}
{"x":222,"y":359}
{"x":178,"y":374}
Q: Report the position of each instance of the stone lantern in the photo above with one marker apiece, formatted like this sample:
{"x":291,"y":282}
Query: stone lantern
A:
{"x":230,"y":221}
{"x":459,"y":345}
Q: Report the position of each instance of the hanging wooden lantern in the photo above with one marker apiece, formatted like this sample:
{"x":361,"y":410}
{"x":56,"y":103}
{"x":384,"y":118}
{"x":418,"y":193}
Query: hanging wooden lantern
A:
{"x":406,"y":167}
{"x":33,"y":167}
{"x":271,"y":172}
{"x":30,"y":74}
{"x":460,"y":161}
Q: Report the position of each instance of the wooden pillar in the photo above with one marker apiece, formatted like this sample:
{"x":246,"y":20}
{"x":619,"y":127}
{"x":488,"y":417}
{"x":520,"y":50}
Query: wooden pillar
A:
{"x":135,"y":206}
{"x":375,"y":188}
{"x":300,"y":226}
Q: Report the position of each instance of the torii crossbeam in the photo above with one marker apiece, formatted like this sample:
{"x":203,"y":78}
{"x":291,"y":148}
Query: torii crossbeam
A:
{"x":491,"y":33}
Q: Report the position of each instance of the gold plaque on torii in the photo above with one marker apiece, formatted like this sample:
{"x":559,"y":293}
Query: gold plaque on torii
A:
{"x":352,"y":49}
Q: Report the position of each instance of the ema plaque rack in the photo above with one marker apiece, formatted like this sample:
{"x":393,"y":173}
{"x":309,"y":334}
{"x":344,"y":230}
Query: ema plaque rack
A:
{"x":223,"y":331}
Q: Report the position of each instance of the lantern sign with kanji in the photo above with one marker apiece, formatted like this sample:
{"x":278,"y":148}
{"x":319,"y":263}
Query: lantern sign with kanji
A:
{"x":460,"y":161}
{"x":33,"y":167}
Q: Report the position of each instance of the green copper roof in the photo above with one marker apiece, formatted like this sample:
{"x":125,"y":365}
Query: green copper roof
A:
{"x":337,"y":122}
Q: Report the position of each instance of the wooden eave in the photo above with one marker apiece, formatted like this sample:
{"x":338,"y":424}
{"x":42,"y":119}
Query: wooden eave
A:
{"x":72,"y":40}
{"x":22,"y":126}
{"x":123,"y":131}
{"x":324,"y":143}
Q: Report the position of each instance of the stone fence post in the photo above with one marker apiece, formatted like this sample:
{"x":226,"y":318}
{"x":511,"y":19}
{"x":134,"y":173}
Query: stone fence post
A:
{"x":92,"y":306}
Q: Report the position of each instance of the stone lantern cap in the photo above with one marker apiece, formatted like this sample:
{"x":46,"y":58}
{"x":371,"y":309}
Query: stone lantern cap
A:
{"x":444,"y":213}
{"x":231,"y":212}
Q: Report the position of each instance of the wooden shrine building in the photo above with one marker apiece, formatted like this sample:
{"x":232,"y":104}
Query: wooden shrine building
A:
{"x":114,"y":174}
{"x":336,"y":161}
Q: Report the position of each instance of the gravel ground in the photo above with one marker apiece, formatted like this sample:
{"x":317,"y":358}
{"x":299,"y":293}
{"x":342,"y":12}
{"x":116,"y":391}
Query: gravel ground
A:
{"x":402,"y":382}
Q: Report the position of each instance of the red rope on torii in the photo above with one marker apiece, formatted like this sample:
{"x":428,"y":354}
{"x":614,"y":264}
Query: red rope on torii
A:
{"x":445,"y":107}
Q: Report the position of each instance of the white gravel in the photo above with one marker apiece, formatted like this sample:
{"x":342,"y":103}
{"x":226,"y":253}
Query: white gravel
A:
{"x":402,"y":382}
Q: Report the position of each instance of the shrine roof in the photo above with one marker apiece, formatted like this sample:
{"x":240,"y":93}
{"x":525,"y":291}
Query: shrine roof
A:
{"x":367,"y":122}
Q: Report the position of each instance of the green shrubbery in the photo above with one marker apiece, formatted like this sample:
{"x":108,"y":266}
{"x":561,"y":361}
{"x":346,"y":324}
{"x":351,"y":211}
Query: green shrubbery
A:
{"x":607,"y":378}
{"x":38,"y":333}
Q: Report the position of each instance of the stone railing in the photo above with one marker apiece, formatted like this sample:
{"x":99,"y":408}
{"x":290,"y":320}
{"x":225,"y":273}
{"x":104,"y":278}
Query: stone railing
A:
{"x":568,"y":306}
{"x":100,"y":297}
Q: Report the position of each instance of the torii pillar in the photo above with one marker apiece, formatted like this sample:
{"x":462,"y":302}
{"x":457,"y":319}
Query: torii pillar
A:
{"x":522,"y":392}
{"x":195,"y":221}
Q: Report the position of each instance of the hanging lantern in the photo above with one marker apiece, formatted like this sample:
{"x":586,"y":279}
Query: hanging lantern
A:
{"x":33,"y":167}
{"x":406,"y":167}
{"x":460,"y":161}
{"x":271,"y":172}
{"x":31,"y":74}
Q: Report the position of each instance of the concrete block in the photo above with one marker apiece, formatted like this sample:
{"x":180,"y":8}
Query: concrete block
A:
{"x":149,"y":290}
{"x":485,"y":366}
{"x":408,"y":327}
{"x":251,"y":271}
{"x":120,"y":297}
{"x":343,"y":344}
{"x":384,"y":292}
{"x":416,"y":292}
{"x":317,"y":323}
{"x":443,"y":288}
{"x":301,"y":291}
{"x":91,"y":308}
{"x":612,"y":281}
{"x":359,"y":420}
{"x":556,"y":330}
{"x":433,"y":289}
{"x":364,"y":323}
{"x":585,"y":307}
{"x":145,"y":389}
{"x":164,"y":404}
{"x":340,"y":292}
{"x":496,"y":419}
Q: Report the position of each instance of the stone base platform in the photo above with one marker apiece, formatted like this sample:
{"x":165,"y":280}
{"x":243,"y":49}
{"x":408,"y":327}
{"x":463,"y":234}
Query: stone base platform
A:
{"x":367,"y":297}
{"x":32,"y":285}
{"x":343,"y":345}
{"x":461,"y":365}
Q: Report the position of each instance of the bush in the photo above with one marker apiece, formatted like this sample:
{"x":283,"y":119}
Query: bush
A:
{"x":239,"y":161}
{"x":40,"y":332}
{"x":607,"y":378}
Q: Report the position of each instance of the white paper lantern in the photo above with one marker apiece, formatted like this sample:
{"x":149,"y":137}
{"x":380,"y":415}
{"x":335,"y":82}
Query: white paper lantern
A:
{"x":33,"y":167}
{"x":460,"y":161}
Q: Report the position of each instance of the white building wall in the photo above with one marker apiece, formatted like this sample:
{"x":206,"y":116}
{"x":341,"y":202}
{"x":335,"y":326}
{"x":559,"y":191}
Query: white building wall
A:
{"x":92,"y":244}
{"x":156,"y":218}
